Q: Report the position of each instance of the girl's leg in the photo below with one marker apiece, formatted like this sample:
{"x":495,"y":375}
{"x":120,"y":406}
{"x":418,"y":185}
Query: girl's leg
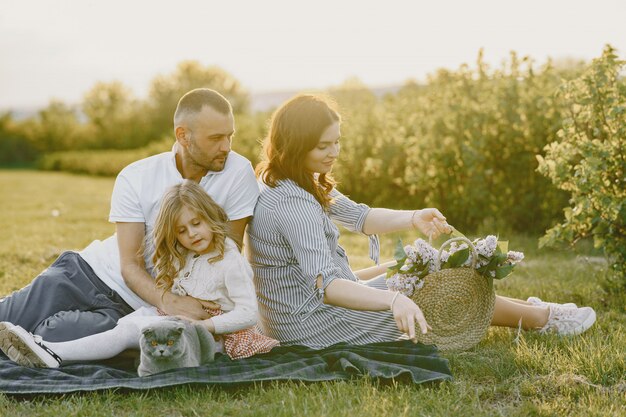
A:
{"x":509,"y":312}
{"x":99,"y":346}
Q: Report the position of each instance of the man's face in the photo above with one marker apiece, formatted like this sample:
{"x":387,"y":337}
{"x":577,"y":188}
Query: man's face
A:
{"x":209,"y":134}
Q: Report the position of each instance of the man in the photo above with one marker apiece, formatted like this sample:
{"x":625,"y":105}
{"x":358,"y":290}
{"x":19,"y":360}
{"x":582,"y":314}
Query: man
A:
{"x":87,"y":292}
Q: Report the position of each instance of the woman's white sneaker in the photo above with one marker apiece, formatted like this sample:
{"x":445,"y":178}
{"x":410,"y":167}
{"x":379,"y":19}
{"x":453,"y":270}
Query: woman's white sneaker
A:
{"x":538,"y":302}
{"x":568,"y":321}
{"x":26,"y":349}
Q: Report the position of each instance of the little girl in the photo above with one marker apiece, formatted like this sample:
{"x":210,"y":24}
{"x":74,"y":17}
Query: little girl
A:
{"x":194,"y":256}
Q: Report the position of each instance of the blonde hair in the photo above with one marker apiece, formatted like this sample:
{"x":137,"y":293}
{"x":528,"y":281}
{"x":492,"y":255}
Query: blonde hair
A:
{"x":169,"y":256}
{"x":295,"y":129}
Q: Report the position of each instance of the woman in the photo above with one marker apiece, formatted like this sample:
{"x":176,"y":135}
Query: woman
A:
{"x":307,"y":293}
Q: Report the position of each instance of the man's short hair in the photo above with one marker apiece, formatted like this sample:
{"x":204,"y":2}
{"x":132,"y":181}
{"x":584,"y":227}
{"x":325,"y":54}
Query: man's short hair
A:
{"x":193,"y":101}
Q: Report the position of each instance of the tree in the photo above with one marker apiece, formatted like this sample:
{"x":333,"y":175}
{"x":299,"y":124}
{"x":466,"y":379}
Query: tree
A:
{"x":55,"y":128}
{"x":589,"y":160}
{"x":116,"y":119}
{"x":107,"y":102}
{"x":166,"y":90}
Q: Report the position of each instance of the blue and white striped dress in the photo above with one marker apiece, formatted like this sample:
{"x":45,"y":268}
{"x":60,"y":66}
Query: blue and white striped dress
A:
{"x":292,"y":241}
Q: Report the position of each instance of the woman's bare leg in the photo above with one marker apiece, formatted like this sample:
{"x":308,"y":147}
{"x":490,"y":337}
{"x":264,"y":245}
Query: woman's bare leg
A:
{"x":516,"y":300}
{"x":509,"y":312}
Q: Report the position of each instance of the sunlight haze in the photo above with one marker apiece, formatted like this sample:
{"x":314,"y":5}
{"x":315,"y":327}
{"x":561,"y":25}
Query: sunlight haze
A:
{"x":59,"y":49}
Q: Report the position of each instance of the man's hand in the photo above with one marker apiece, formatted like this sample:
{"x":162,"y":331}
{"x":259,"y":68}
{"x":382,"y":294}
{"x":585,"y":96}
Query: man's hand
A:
{"x":176,"y":305}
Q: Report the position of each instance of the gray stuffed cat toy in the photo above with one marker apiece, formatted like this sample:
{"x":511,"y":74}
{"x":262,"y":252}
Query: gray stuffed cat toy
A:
{"x":174,"y":343}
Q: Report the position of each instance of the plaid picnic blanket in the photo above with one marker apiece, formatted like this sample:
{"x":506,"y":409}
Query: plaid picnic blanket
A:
{"x":400,"y":360}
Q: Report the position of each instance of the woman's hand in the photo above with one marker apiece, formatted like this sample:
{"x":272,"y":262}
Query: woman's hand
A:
{"x":430,"y":222}
{"x":406,"y":313}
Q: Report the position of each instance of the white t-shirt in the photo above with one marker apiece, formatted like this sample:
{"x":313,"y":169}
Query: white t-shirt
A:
{"x":137,"y":196}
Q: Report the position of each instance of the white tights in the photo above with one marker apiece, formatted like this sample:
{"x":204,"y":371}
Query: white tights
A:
{"x":99,"y":346}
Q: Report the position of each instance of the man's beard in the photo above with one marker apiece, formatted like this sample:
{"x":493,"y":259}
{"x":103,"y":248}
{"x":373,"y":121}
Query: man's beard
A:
{"x":199,"y":159}
{"x":217,"y":165}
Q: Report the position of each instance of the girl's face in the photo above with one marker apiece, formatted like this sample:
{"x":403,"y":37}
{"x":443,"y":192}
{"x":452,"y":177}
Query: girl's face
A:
{"x":321,"y":158}
{"x":192,"y":232}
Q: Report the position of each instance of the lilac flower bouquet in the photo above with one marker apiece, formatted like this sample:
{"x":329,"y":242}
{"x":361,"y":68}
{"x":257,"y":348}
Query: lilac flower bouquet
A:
{"x":414,"y":262}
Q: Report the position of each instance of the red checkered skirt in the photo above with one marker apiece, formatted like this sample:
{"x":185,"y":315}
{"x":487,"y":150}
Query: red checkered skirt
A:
{"x":246,"y":342}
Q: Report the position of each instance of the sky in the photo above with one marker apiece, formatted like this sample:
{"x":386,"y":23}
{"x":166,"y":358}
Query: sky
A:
{"x":58,"y":49}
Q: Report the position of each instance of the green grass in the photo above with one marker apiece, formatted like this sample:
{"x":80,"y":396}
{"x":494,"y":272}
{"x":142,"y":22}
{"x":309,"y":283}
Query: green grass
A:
{"x":507,"y":374}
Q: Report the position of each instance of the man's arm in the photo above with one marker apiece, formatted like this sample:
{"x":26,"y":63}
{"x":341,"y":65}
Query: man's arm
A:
{"x":238,"y":227}
{"x":130,"y":239}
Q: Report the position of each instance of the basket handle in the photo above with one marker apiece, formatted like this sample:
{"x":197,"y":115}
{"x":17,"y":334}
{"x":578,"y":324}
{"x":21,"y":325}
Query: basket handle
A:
{"x":473,"y":253}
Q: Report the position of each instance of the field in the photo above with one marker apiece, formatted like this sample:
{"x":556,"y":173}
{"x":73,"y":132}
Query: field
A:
{"x":509,"y":373}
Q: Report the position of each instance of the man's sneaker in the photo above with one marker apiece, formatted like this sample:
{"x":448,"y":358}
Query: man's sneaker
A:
{"x":566,"y":321}
{"x":26,"y":349}
{"x":537,"y":301}
{"x":5,"y":343}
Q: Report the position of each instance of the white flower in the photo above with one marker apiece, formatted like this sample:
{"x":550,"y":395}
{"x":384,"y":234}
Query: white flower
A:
{"x":410,"y":252}
{"x":492,"y":243}
{"x":425,"y":251}
{"x":486,"y":246}
{"x":432,"y":266}
{"x":514,"y":257}
{"x":445,"y":255}
{"x":454,"y":248}
{"x":393,"y":282}
{"x":403,"y":283}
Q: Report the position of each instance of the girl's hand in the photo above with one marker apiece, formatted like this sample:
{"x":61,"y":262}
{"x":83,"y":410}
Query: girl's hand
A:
{"x":208,"y":324}
{"x":406,"y":313}
{"x":190,"y":320}
{"x":430,"y":222}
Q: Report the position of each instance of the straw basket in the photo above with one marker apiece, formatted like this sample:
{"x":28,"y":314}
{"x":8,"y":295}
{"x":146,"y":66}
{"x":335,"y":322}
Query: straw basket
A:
{"x":457,"y":303}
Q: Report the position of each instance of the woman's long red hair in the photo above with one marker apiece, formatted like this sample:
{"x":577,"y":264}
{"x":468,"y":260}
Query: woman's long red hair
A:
{"x":295,"y":129}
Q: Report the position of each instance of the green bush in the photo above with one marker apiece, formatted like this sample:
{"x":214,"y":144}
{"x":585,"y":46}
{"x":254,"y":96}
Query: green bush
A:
{"x":109,"y":162}
{"x":15,"y":149}
{"x":103,"y":163}
{"x":589,"y":160}
{"x":464,"y":142}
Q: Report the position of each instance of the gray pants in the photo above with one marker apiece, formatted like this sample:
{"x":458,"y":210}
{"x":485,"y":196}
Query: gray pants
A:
{"x":65,"y":302}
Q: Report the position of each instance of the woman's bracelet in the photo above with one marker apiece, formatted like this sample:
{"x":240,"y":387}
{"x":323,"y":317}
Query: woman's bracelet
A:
{"x":413,"y":219}
{"x":393,"y":300}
